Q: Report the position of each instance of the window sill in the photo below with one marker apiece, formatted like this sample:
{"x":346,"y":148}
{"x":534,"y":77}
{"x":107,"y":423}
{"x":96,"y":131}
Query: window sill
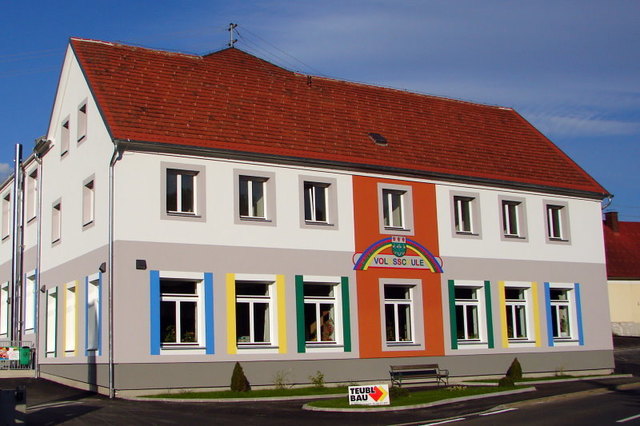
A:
{"x":31,"y":220}
{"x":256,"y":346}
{"x":5,"y":238}
{"x":557,"y":240}
{"x":182,"y":214}
{"x":254,"y":219}
{"x":82,"y":138}
{"x":56,"y":242}
{"x":314,"y":223}
{"x":466,"y":234}
{"x":514,"y":237}
{"x":87,"y":225}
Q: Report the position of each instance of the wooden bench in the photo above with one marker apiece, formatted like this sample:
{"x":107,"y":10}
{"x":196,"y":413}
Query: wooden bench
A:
{"x":424,"y":372}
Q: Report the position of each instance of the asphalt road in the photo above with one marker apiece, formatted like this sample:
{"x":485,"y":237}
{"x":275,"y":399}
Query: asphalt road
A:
{"x":49,"y":403}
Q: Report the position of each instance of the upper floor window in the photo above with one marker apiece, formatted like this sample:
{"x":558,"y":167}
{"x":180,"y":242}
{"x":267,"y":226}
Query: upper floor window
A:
{"x":464,"y":214}
{"x":181,"y":191}
{"x":557,"y":222}
{"x":88,"y":202}
{"x":395,"y":209}
{"x":513,"y":217}
{"x":183,"y":196}
{"x":32,"y":195}
{"x":255,"y":197}
{"x":82,"y":122}
{"x":392,"y":208}
{"x":316,"y":202}
{"x":6,"y":215}
{"x":56,"y":222}
{"x":65,"y":136}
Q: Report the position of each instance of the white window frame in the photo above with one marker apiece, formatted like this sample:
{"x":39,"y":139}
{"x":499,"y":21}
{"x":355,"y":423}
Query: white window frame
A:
{"x":56,"y":222}
{"x":70,"y":318}
{"x":479,"y":302}
{"x":570,"y":305}
{"x":32,"y":194}
{"x":6,"y":215}
{"x":513,"y":219}
{"x":250,"y":178}
{"x":511,"y":307}
{"x":403,"y":196}
{"x":395,"y":305}
{"x":93,"y":306}
{"x":51,"y":327}
{"x":312,"y":199}
{"x":30,"y":300}
{"x":268,"y":299}
{"x":465,"y":215}
{"x":65,"y":136}
{"x":334,"y":299}
{"x":181,"y":176}
{"x":557,"y":221}
{"x":179,"y":298}
{"x":199,"y":192}
{"x":88,"y":202}
{"x":4,"y":309}
{"x":256,"y":209}
{"x":82,"y":122}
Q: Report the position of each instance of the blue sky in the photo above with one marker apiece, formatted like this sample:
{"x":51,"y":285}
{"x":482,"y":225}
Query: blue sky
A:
{"x":572,"y":68}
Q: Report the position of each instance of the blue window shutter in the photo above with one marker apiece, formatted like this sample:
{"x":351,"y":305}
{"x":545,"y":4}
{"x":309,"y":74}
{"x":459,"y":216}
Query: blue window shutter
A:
{"x":154,"y":320}
{"x":208,"y":313}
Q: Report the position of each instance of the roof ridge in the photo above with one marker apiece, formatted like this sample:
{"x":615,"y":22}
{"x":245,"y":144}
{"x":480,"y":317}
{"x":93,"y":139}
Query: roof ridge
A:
{"x":136,"y":47}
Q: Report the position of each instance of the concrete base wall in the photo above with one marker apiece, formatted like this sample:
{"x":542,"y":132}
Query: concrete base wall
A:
{"x":626,"y":328}
{"x":140,"y":379}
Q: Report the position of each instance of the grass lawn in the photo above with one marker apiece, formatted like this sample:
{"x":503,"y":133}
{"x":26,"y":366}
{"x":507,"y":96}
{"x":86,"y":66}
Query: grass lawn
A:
{"x":260,"y":393}
{"x":418,"y":397}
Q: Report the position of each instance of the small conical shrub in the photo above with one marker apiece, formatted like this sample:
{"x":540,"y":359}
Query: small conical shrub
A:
{"x":515,"y":370}
{"x":239,"y":382}
{"x":506,"y":381}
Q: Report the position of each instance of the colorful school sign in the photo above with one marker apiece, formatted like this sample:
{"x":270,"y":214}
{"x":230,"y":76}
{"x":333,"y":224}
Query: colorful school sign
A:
{"x":375,"y":257}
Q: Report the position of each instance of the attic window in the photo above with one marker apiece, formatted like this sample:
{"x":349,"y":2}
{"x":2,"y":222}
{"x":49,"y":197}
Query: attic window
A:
{"x":378,"y":139}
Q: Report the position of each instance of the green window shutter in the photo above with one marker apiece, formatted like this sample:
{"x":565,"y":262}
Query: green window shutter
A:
{"x":453,"y":326}
{"x":487,"y":297}
{"x":300,"y":313}
{"x":346,"y":315}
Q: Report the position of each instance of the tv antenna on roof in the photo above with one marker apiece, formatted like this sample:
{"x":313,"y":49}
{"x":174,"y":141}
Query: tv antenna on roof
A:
{"x":232,"y":40}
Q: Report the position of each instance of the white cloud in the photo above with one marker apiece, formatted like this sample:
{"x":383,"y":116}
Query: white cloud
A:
{"x":581,"y":125}
{"x":5,"y":170}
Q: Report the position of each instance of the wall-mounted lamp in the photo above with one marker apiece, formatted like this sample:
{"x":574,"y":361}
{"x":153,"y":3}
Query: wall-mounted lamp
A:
{"x":141,"y":264}
{"x":43,"y":289}
{"x":103,"y":267}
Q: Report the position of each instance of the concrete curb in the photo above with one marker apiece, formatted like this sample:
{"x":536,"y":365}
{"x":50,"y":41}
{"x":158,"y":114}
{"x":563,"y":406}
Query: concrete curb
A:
{"x":263,"y":399}
{"x":416,"y":406}
{"x":545,"y":382}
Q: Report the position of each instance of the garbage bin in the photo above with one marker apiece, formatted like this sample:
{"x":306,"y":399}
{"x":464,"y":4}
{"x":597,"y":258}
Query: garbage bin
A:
{"x":25,"y":355}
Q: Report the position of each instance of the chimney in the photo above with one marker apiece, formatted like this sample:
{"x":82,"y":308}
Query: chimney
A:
{"x":611,"y":220}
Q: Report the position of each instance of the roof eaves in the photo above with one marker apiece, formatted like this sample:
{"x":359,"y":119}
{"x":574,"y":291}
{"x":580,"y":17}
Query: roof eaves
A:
{"x":351,"y":166}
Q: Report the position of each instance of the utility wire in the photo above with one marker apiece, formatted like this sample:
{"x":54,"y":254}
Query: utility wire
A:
{"x":261,"y":39}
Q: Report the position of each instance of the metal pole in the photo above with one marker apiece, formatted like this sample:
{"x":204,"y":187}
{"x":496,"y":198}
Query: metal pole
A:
{"x":16,"y":253}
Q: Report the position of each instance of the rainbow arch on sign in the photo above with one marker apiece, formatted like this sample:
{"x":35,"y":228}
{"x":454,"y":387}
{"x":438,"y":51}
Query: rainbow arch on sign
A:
{"x":365,"y":259}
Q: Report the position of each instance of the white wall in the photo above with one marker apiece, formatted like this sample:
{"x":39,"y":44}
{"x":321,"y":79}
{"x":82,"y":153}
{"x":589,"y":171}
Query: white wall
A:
{"x":139,"y":207}
{"x":586,"y":243}
{"x":64,"y":177}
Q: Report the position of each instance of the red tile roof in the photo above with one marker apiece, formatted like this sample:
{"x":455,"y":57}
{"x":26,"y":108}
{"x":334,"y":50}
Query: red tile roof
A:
{"x":622,"y":249}
{"x":231,"y":100}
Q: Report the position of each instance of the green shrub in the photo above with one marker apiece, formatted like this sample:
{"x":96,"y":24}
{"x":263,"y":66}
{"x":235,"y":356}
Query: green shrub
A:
{"x":515,"y":370}
{"x":317,"y":380}
{"x":239,"y":382}
{"x":397,"y":392}
{"x":506,"y":381}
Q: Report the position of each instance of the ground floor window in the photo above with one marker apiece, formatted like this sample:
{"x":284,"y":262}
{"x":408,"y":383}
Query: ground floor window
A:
{"x":181,"y":309}
{"x":254,"y":311}
{"x":564,"y":316}
{"x":322,"y":305}
{"x":93,"y":313}
{"x":51,"y":322}
{"x":516,"y":312}
{"x":179,"y":312}
{"x":398,"y":313}
{"x":470,"y":313}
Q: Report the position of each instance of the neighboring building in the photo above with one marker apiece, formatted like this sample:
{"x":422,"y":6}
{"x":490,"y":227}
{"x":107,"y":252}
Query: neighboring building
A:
{"x":622,"y":244}
{"x":225,"y":209}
